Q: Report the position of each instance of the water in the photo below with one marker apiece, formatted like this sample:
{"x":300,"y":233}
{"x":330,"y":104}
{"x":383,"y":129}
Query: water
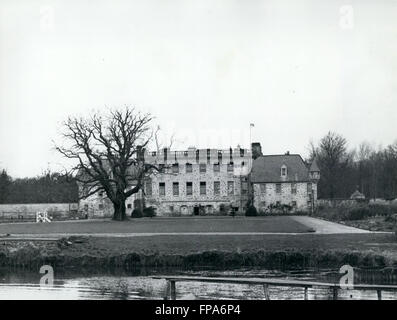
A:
{"x":138,"y":284}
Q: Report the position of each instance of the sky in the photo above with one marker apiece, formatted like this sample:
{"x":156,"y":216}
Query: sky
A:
{"x":205,"y":69}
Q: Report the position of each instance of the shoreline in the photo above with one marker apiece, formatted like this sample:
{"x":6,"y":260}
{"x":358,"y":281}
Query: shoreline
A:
{"x":302,"y":251}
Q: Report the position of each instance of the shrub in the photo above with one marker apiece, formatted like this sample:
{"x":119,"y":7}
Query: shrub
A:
{"x":358,"y":213}
{"x":149,"y":212}
{"x":136,"y":213}
{"x":251,"y":211}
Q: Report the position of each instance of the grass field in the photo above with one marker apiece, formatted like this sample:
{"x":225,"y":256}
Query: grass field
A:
{"x":380,"y":243}
{"x":298,"y":249}
{"x":159,"y":225}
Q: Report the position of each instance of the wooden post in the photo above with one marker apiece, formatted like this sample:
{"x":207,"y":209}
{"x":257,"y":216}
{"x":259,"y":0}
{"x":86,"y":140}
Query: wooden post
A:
{"x":379,"y":294}
{"x":306,"y":293}
{"x":167,"y":290}
{"x":266,"y":291}
{"x":173,"y":290}
{"x":335,"y":293}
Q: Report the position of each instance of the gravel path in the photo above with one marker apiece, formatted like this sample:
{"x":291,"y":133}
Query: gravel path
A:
{"x":327,"y":227}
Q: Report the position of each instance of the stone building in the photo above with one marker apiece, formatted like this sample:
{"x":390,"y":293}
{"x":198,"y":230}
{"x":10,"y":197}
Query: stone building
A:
{"x":283,"y":181}
{"x":213,"y":181}
{"x":198,"y":181}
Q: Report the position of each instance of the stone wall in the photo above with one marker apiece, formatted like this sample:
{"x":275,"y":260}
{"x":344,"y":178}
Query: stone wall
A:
{"x":28,"y":211}
{"x":262,"y":200}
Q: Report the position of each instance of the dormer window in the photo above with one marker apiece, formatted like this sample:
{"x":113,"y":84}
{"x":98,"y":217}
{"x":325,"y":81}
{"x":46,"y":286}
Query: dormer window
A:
{"x":284,"y":171}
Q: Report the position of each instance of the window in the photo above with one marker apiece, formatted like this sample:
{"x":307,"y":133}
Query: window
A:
{"x":284,"y":170}
{"x":294,"y":204}
{"x":244,"y":188}
{"x":293,"y":188}
{"x":241,"y":152}
{"x":208,"y":155}
{"x":161,"y":167}
{"x":197,"y":155}
{"x":230,"y":188}
{"x":278,"y":187}
{"x":230,"y":167}
{"x":243,"y":164}
{"x":189,"y":168}
{"x":162,"y":188}
{"x":220,"y":156}
{"x":154,"y":153}
{"x":100,"y":206}
{"x":175,"y":168}
{"x":203,"y":167}
{"x":263,"y":187}
{"x":189,"y":188}
{"x":217,"y":167}
{"x":217,"y":188}
{"x":148,"y":188}
{"x":175,"y":188}
{"x":203,"y":188}
{"x":171,"y":209}
{"x":185,"y":153}
{"x":129,"y":206}
{"x":278,"y":203}
{"x":309,"y":188}
{"x":100,"y":193}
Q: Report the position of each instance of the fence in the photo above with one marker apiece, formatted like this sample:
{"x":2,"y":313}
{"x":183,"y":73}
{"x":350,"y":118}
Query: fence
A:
{"x":305,"y":285}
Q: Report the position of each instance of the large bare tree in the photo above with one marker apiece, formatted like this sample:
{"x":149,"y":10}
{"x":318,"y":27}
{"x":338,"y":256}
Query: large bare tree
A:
{"x":106,"y":149}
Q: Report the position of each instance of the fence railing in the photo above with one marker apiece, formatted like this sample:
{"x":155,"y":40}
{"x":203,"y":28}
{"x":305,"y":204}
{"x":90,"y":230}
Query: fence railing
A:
{"x":266,"y":283}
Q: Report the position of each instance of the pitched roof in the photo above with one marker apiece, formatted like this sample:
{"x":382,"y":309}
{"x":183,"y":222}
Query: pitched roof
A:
{"x":357,"y":195}
{"x":314,"y":166}
{"x":268,"y":169}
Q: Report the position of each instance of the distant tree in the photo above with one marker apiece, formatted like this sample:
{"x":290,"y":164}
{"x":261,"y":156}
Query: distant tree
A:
{"x":334,"y":162}
{"x":106,"y":150}
{"x":5,"y":183}
{"x":50,"y":187}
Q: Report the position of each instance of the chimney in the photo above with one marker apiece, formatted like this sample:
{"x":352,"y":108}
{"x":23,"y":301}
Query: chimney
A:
{"x":256,"y":150}
{"x":287,"y":153}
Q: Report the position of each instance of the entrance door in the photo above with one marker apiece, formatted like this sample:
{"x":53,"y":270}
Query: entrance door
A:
{"x":196,"y":210}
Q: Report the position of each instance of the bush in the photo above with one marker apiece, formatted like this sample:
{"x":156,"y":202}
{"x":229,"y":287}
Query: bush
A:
{"x":251,"y":211}
{"x":149,"y":212}
{"x":136,"y":213}
{"x":358,"y":213}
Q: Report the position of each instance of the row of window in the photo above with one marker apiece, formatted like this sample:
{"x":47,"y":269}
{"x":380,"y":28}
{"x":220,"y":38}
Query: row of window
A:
{"x":189,"y":188}
{"x":278,"y":203}
{"x":202,"y":167}
{"x":293,"y":187}
{"x":186,"y":153}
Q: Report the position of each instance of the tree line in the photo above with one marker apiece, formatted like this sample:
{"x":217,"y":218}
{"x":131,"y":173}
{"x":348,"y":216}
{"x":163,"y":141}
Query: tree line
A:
{"x":50,"y":187}
{"x":370,"y":170}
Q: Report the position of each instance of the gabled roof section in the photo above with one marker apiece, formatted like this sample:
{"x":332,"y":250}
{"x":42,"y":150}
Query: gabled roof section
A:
{"x":268,"y":169}
{"x":314,"y":166}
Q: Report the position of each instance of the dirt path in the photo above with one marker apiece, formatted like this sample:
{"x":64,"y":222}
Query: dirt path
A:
{"x":327,"y":227}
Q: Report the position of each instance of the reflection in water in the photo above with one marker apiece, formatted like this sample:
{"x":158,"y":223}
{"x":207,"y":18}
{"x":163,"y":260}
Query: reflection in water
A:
{"x":117,"y":284}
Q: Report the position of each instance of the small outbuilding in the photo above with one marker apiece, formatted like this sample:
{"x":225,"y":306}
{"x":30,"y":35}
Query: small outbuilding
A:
{"x":357,"y":195}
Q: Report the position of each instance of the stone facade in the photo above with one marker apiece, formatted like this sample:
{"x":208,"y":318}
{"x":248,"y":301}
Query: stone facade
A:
{"x":198,"y":181}
{"x":297,"y":195}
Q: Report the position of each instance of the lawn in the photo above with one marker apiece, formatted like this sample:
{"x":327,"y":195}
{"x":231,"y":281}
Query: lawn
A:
{"x":379,"y":243}
{"x":277,"y":224}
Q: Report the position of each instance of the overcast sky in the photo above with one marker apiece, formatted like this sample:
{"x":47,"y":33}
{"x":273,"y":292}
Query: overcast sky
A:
{"x":205,"y":69}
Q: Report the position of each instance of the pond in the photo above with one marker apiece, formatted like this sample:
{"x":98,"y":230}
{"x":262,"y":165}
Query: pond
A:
{"x":138,"y":284}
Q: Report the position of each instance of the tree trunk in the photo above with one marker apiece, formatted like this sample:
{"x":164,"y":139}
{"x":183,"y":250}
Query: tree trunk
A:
{"x":119,"y":210}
